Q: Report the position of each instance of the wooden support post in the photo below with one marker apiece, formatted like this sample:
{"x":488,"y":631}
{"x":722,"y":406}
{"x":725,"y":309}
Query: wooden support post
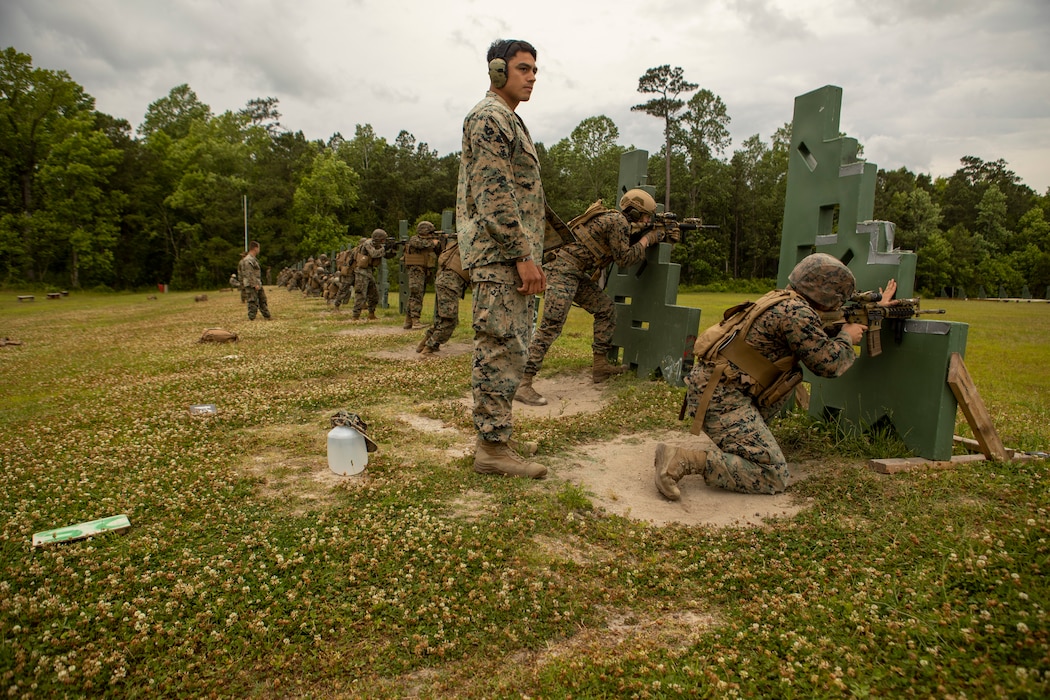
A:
{"x":973,"y":408}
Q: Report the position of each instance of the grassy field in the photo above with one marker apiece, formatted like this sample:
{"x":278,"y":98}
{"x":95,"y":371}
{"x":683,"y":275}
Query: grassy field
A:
{"x":246,"y":573}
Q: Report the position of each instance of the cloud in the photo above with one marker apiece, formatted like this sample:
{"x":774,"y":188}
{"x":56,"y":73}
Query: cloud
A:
{"x":925,"y":82}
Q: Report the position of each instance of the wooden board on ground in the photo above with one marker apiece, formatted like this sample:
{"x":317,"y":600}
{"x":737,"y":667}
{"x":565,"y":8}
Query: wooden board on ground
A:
{"x":82,"y":530}
{"x":973,"y":408}
{"x":910,"y":464}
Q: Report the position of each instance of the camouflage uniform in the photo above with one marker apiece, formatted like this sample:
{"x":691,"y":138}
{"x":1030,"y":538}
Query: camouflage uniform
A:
{"x":449,"y":285}
{"x":416,"y":251}
{"x":366,"y":292}
{"x":345,"y":279}
{"x":249,"y":272}
{"x":500,"y":219}
{"x":570,"y":278}
{"x":749,"y":460}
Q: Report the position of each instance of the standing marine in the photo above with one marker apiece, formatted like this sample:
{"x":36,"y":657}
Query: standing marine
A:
{"x":500,"y":221}
{"x":450,"y":285}
{"x":250,"y":274}
{"x":418,"y":251}
{"x":370,"y":254}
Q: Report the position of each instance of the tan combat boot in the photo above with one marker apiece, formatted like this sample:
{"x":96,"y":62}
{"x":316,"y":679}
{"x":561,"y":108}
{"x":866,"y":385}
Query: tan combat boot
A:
{"x":499,"y":458}
{"x":408,"y":323}
{"x":602,"y":370}
{"x":372,"y":316}
{"x":356,"y":316}
{"x":423,"y":343}
{"x":529,"y":448}
{"x":672,"y":463}
{"x":526,"y":394}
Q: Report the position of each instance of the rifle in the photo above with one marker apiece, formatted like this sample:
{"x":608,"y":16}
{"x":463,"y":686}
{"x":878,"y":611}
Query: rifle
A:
{"x":668,"y":228}
{"x":864,"y":308}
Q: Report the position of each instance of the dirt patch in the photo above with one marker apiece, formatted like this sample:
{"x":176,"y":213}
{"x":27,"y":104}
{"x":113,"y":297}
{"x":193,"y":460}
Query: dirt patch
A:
{"x":472,"y":505}
{"x":566,"y":394}
{"x":664,"y":629}
{"x":618,"y":475}
{"x":371,"y":328}
{"x":292,"y":465}
{"x":409,"y":351}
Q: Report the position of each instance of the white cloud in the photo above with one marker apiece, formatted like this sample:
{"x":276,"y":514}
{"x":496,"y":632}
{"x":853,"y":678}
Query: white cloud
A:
{"x":925,"y":82}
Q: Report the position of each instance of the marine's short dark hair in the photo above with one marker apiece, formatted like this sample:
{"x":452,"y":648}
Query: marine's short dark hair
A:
{"x":253,"y":244}
{"x":507,"y":48}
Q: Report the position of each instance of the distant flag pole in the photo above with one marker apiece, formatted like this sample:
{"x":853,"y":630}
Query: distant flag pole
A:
{"x":245,"y":221}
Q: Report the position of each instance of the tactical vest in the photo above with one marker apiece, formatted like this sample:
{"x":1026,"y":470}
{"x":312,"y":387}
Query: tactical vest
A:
{"x":414,"y":258}
{"x":450,"y":260}
{"x":725,"y":343}
{"x":598,"y":248}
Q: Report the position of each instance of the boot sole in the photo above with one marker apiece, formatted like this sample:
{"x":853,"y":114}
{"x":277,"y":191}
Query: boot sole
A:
{"x":499,"y":472}
{"x":542,"y":402}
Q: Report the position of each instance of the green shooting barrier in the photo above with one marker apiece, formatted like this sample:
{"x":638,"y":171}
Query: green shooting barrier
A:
{"x":829,"y":209}
{"x":656,"y":334}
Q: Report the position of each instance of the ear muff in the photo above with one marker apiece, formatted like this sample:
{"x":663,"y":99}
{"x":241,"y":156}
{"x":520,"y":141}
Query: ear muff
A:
{"x":498,"y":72}
{"x":633,"y":215}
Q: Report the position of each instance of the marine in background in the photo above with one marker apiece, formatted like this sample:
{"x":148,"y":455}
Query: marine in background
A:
{"x":450,"y":285}
{"x":370,"y":255}
{"x":603,"y":236}
{"x":250,"y":274}
{"x":418,"y":252}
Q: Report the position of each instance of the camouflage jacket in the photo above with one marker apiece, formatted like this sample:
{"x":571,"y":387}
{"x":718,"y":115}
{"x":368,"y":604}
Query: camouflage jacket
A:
{"x":608,"y":231}
{"x":249,"y":271}
{"x":370,"y":249}
{"x":793,"y":327}
{"x":499,"y":200}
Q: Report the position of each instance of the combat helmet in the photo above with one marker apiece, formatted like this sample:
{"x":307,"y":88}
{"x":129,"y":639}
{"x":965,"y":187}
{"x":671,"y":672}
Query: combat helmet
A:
{"x":379,"y":235}
{"x":823,"y":280}
{"x":638,"y":201}
{"x":424,"y":227}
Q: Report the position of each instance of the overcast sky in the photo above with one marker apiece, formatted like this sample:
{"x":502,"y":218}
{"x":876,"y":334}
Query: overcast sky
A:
{"x":925,"y":82}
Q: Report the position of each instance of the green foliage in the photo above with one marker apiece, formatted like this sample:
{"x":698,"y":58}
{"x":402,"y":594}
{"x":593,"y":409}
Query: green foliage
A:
{"x":87,"y":200}
{"x":325,"y":195}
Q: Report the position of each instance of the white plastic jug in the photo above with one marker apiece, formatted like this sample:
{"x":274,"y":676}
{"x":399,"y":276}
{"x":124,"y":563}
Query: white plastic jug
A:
{"x":347,"y":452}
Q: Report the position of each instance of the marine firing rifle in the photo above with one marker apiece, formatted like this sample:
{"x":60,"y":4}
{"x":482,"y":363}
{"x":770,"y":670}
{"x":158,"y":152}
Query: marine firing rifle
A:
{"x":864,"y":308}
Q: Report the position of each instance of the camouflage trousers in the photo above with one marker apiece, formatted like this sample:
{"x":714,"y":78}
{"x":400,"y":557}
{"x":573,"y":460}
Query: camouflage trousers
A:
{"x":448,"y":287}
{"x":563,"y":288}
{"x":417,"y":284}
{"x":366,"y":292}
{"x":346,"y":287}
{"x":257,"y":303}
{"x":748,"y":460}
{"x":501,"y":326}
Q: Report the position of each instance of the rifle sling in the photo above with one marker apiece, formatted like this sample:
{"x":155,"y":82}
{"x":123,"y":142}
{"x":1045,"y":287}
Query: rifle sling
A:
{"x":705,"y":398}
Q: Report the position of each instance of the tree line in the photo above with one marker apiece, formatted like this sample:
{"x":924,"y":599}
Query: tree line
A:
{"x":86,"y":201}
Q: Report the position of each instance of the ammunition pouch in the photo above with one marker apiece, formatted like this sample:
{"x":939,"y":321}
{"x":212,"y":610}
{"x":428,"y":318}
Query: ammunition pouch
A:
{"x":782,"y":386}
{"x":415,"y":259}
